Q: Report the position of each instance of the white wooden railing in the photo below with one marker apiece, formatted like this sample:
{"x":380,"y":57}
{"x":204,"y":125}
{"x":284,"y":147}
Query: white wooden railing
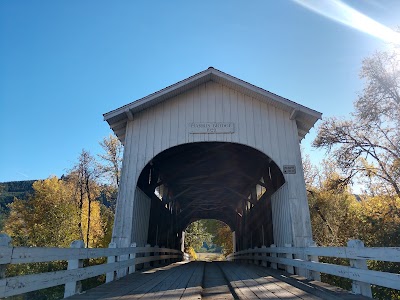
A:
{"x":307,"y":259}
{"x":120,"y":262}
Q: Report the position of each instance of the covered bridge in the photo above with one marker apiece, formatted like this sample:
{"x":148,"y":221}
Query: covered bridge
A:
{"x":212,"y":146}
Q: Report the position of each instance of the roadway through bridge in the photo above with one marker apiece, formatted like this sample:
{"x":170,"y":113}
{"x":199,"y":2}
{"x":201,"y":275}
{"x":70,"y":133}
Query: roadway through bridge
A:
{"x":213,"y":280}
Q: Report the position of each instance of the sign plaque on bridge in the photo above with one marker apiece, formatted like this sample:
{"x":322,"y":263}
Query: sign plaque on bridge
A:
{"x":211,"y":127}
{"x":289,"y":169}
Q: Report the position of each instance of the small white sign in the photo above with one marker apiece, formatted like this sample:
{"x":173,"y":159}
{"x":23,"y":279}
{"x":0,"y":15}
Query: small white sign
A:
{"x":211,"y":127}
{"x":289,"y":169}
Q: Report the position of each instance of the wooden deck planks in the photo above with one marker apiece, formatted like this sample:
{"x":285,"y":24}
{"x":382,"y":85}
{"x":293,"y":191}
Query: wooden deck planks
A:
{"x":215,"y":285}
{"x":249,"y":283}
{"x":209,"y":281}
{"x":271,"y":287}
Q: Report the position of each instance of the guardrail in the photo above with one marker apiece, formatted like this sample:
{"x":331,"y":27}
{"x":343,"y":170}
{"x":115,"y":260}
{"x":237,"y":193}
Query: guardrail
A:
{"x":120,"y":262}
{"x":307,"y":259}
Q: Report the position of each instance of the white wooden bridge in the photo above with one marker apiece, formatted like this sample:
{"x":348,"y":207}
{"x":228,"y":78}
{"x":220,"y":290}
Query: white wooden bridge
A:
{"x":211,"y":146}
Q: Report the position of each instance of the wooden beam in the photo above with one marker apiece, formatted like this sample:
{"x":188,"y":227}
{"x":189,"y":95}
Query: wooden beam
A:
{"x":293,"y":114}
{"x":159,"y":183}
{"x":237,"y":193}
{"x":253,"y":197}
{"x":120,"y":131}
{"x":208,"y":176}
{"x":180,"y":194}
{"x":165,"y":195}
{"x":129,"y":114}
{"x":119,"y":123}
{"x":262,"y":184}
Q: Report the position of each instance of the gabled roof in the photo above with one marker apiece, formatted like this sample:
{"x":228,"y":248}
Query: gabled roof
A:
{"x":304,"y":116}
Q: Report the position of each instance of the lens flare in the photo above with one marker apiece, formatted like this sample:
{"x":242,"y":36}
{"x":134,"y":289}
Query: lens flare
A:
{"x":342,"y":13}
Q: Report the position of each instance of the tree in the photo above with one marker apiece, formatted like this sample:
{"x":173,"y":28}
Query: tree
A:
{"x":330,"y":203}
{"x":47,"y":219}
{"x":111,"y":168}
{"x":368,"y":143}
{"x":113,"y":158}
{"x":84,"y":176}
{"x":195,"y":234}
{"x":223,"y":238}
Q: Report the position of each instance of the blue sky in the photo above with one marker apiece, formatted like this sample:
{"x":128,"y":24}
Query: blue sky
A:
{"x":65,"y":63}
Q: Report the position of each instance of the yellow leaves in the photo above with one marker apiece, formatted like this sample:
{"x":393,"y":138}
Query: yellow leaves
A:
{"x":192,"y":253}
{"x":96,"y":232}
{"x":51,"y":217}
{"x":337,"y":217}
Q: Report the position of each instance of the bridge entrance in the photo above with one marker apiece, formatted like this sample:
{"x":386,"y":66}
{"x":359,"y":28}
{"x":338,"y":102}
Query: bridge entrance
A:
{"x":229,"y":182}
{"x":212,"y":146}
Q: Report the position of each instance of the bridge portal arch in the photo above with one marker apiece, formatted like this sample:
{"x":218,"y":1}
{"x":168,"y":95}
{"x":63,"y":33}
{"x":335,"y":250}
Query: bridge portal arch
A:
{"x":215,"y":113}
{"x":201,"y":180}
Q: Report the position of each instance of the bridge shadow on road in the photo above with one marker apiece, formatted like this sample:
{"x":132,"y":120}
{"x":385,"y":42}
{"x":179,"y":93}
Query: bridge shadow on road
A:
{"x":213,"y":280}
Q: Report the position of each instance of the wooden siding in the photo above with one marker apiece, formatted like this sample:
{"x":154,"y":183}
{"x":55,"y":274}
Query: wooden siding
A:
{"x":281,"y":217}
{"x":257,"y":124}
{"x":141,"y":215}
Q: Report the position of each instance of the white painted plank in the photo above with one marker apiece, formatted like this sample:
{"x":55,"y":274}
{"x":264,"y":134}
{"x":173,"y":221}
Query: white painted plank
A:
{"x":165,"y":125}
{"x":203,"y":109}
{"x":211,"y":107}
{"x":196,"y":111}
{"x":219,"y":114}
{"x":274,"y":136}
{"x":226,"y":104}
{"x":250,"y":128}
{"x":182,"y":103}
{"x":265,"y":131}
{"x":150,"y":132}
{"x":174,"y":107}
{"x":233,"y":99}
{"x":189,"y":116}
{"x":258,"y":134}
{"x":158,"y":128}
{"x":391,"y":254}
{"x":33,"y":255}
{"x":242,"y":130}
{"x":5,"y":255}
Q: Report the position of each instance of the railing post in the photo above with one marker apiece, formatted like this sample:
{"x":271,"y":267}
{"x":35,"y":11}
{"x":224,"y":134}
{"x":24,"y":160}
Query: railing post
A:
{"x":5,"y":241}
{"x":314,"y":275}
{"x":132,"y":255}
{"x":264,"y":263}
{"x":359,"y":287}
{"x":110,"y":276}
{"x":156,"y":262}
{"x":289,"y":269}
{"x":256,"y":257}
{"x":274,"y":265}
{"x":164,"y":261}
{"x":250,"y":261}
{"x":74,"y":287}
{"x":147,"y":264}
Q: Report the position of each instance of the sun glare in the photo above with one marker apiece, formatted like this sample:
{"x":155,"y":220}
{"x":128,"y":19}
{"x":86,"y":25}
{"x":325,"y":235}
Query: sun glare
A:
{"x":342,"y":13}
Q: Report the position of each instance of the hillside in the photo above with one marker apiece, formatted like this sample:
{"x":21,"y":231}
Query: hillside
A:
{"x":11,"y":189}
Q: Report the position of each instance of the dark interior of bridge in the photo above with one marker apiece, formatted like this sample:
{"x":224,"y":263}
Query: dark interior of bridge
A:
{"x":229,"y":182}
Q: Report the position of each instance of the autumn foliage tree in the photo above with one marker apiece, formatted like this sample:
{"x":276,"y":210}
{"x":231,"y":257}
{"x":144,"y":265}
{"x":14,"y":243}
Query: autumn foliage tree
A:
{"x":368,"y":143}
{"x":47,"y":219}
